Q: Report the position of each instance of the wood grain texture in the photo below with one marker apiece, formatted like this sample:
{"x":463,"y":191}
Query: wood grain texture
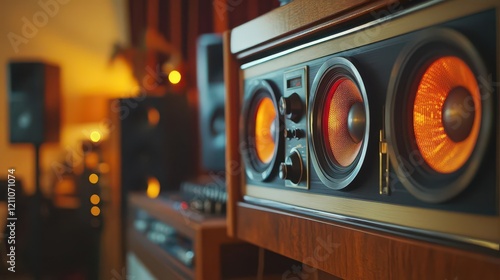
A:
{"x":208,"y":251}
{"x":298,"y":19}
{"x":418,"y":260}
{"x":341,"y":251}
{"x":232,"y":111}
{"x":350,"y":252}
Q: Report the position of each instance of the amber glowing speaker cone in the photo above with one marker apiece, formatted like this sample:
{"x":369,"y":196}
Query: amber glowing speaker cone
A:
{"x":438,"y":118}
{"x":265,"y":118}
{"x":262,"y":145}
{"x":339,"y":123}
{"x":342,"y":96}
{"x":447,"y":114}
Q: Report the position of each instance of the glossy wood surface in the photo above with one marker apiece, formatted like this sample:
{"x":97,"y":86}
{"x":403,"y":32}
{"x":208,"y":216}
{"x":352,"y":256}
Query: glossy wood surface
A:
{"x":232,"y":110}
{"x":355,"y":253}
{"x":305,"y":17}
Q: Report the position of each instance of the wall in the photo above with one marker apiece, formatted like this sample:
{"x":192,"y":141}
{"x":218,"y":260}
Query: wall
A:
{"x":79,"y":36}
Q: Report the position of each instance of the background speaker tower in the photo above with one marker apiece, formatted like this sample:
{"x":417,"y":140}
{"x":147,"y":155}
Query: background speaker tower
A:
{"x":34,"y":102}
{"x":211,"y":89}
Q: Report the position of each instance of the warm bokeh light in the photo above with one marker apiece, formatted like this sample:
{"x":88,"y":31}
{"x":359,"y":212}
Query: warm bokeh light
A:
{"x":65,"y":186}
{"x":95,"y":199}
{"x":174,"y":77}
{"x":87,"y":70}
{"x":153,"y":116}
{"x":93,"y":178}
{"x":104,"y":167}
{"x":95,"y":211}
{"x":265,"y":129}
{"x":153,"y":187}
{"x":95,"y":136}
{"x":91,"y":160}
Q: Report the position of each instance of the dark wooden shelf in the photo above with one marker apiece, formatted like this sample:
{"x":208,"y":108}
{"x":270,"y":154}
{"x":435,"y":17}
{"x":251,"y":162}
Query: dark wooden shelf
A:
{"x":352,"y":252}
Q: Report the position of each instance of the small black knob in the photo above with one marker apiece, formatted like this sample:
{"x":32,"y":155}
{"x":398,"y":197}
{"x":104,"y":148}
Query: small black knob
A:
{"x":291,"y":107}
{"x":294,"y":133}
{"x":298,"y":133}
{"x":291,"y":169}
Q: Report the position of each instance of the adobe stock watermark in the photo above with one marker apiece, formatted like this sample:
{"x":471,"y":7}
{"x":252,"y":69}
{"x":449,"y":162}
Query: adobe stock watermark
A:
{"x":222,"y":7}
{"x":321,"y":253}
{"x":123,"y":275}
{"x":39,"y":19}
{"x":365,"y":36}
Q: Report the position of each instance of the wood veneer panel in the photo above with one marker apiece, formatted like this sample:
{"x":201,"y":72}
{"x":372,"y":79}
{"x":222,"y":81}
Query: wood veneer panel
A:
{"x":300,"y":17}
{"x":341,"y":251}
{"x":357,"y":253}
{"x":234,"y":170}
{"x":208,"y":252}
{"x":418,"y":260}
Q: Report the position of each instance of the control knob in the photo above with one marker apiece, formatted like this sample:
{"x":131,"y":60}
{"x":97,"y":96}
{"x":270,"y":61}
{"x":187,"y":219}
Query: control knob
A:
{"x":292,"y":168}
{"x":291,"y":107}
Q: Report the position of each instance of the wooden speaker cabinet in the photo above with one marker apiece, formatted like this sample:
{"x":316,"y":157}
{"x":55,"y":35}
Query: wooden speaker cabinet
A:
{"x":168,"y":240}
{"x":362,"y":137}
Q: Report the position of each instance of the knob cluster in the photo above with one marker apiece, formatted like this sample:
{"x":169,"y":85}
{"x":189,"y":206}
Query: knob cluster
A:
{"x":294,"y":133}
{"x":207,"y":199}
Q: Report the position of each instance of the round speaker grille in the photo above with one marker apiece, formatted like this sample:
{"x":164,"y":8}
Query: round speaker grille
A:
{"x":440,"y":151}
{"x":265,"y":119}
{"x":437,"y":119}
{"x":260,"y":123}
{"x":339,"y":122}
{"x":343,"y":94}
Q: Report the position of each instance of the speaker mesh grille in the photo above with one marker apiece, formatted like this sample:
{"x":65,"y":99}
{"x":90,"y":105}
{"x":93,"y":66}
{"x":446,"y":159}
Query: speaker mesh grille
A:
{"x":341,"y":96}
{"x":265,"y":130}
{"x":439,"y":79}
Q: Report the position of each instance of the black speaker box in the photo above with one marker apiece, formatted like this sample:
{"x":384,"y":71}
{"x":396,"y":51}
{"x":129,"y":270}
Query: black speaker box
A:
{"x":156,"y":141}
{"x":34,"y":102}
{"x":211,"y":114}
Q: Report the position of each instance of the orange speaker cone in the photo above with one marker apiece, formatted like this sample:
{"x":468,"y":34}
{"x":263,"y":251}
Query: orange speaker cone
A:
{"x":342,"y":140}
{"x":265,"y":118}
{"x":447,"y":114}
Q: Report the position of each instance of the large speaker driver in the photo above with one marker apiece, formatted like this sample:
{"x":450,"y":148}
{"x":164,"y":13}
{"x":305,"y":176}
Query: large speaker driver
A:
{"x":261,"y":131}
{"x":437,"y":117}
{"x":339,"y":127}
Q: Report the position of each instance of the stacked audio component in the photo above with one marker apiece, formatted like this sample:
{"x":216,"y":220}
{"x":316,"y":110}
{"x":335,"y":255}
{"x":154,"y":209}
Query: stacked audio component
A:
{"x":397,"y":131}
